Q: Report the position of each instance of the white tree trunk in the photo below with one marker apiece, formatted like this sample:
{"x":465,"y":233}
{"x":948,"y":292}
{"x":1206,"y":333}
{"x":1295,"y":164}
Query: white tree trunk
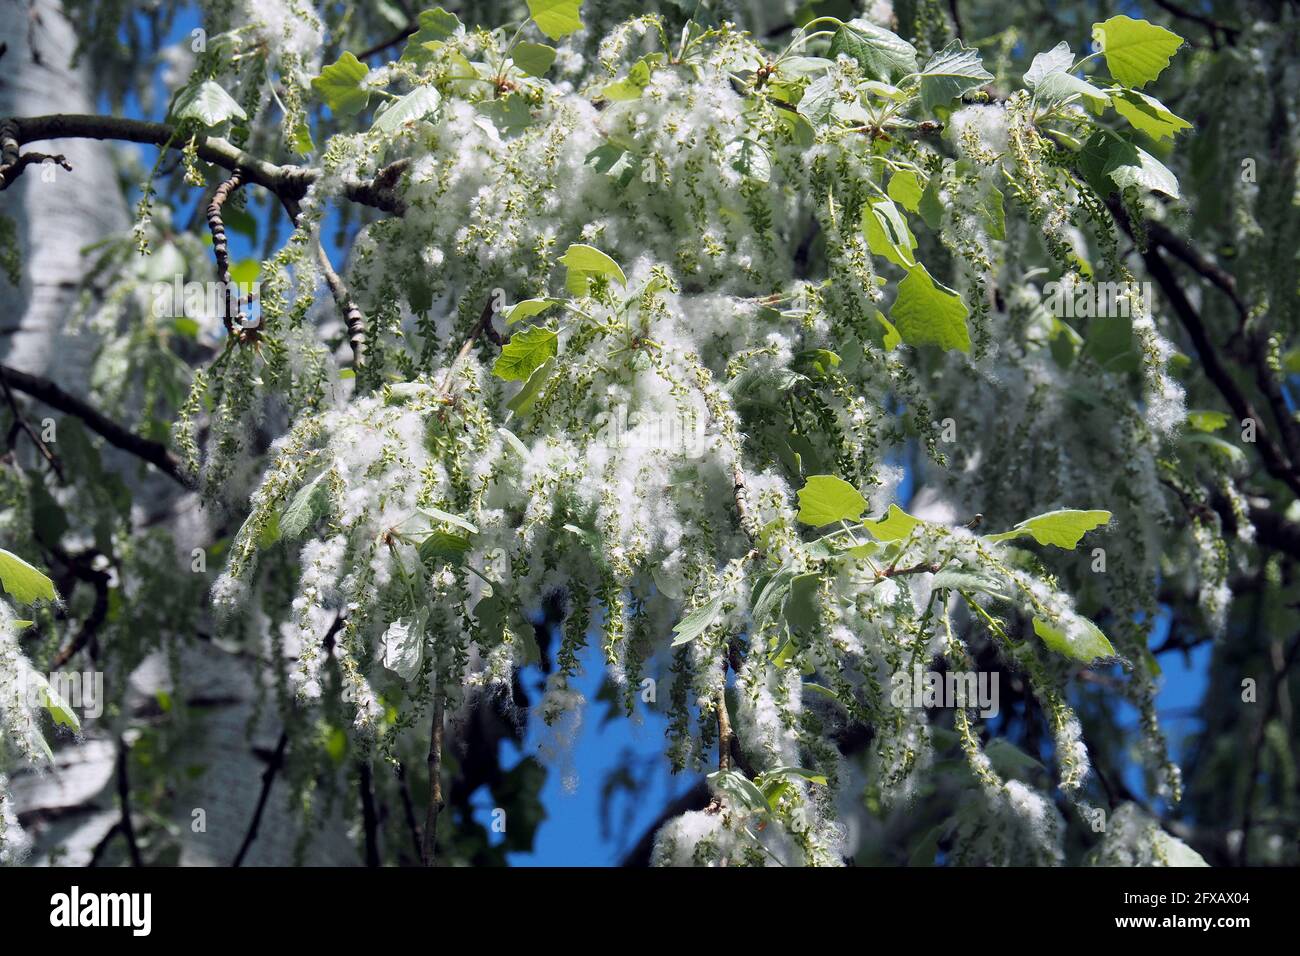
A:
{"x":71,"y":808}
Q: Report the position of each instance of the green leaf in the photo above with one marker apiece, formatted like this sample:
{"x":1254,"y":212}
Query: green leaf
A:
{"x":633,"y":85}
{"x":952,"y":72}
{"x":930,"y":208}
{"x":511,"y":439}
{"x":1009,"y":759}
{"x":905,"y":189}
{"x":750,"y":158}
{"x":697,"y":622}
{"x":1060,"y":86}
{"x":1206,"y":420}
{"x":802,"y":609}
{"x":882,"y":55}
{"x":771,"y":595}
{"x":825,"y":499}
{"x":533,"y":58}
{"x":1217,"y":445}
{"x":740,"y":789}
{"x":208,"y":103}
{"x":245,"y":272}
{"x":527,"y":396}
{"x":1136,"y":51}
{"x":1130,"y":166}
{"x":403,"y":645}
{"x":1085,"y":642}
{"x":961,"y":580}
{"x":1062,"y":529}
{"x":1058,"y":59}
{"x":767,"y":777}
{"x":339,"y":84}
{"x":991,"y":211}
{"x":896,"y":525}
{"x":585,"y":261}
{"x":510,"y":114}
{"x":25,"y":583}
{"x":525,"y":353}
{"x":52,"y":701}
{"x":556,"y":18}
{"x":887,"y":233}
{"x":927,"y":313}
{"x":440,"y":546}
{"x":1149,"y":115}
{"x":891,"y":338}
{"x":435,"y":26}
{"x":818,"y":101}
{"x":415,"y":105}
{"x":439,"y":515}
{"x":305,"y":508}
{"x":529,"y":308}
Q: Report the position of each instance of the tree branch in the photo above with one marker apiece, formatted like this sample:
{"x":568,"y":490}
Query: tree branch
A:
{"x":429,"y":848}
{"x":268,"y":779}
{"x":124,"y":795}
{"x":1275,"y":461}
{"x":218,"y":229}
{"x":290,"y":182}
{"x":46,"y":391}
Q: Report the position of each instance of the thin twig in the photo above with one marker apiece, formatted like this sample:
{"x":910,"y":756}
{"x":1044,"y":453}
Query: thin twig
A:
{"x":444,"y":390}
{"x":219,"y":249}
{"x":124,"y":795}
{"x":353,"y":317}
{"x":21,"y":422}
{"x":408,"y":810}
{"x":369,"y":819}
{"x":268,"y":779}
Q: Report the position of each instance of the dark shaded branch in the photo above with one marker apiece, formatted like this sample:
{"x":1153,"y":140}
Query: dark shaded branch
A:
{"x":1275,"y":461}
{"x":428,"y":850}
{"x":1257,"y":745}
{"x":695,"y":798}
{"x":46,"y":391}
{"x":90,"y":626}
{"x":484,"y":320}
{"x":392,"y":41}
{"x":11,"y":163}
{"x":408,"y":810}
{"x":1229,"y":33}
{"x":268,"y":779}
{"x":289,"y":182}
{"x":22,"y":424}
{"x":369,"y":819}
{"x":124,"y":795}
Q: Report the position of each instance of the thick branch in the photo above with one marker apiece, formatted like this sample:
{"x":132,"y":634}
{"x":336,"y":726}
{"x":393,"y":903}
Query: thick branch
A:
{"x":429,"y":849}
{"x":46,"y":391}
{"x":289,"y":182}
{"x":1275,"y":461}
